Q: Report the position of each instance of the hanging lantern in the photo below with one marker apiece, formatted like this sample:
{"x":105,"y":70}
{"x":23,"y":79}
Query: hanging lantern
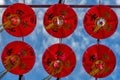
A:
{"x":99,"y":61}
{"x":100,"y":21}
{"x":18,"y":57}
{"x":59,"y":60}
{"x":60,"y":20}
{"x":19,"y":20}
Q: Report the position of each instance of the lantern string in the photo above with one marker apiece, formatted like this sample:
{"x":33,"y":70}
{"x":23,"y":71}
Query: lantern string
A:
{"x":58,"y":79}
{"x":60,"y":39}
{"x":98,"y":41}
{"x":22,"y":36}
{"x":3,"y":74}
{"x":21,"y":77}
{"x":61,"y":1}
{"x":95,"y":78}
{"x":24,"y":1}
{"x":99,"y":2}
{"x":23,"y":39}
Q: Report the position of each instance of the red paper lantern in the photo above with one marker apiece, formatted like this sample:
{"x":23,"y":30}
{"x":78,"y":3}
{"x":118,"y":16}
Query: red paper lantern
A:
{"x":19,"y":20}
{"x":100,"y":21}
{"x":59,"y":60}
{"x":99,"y":61}
{"x":60,"y":20}
{"x":18,"y":57}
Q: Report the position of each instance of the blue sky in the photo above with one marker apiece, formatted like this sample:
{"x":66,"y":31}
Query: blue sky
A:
{"x":79,"y":41}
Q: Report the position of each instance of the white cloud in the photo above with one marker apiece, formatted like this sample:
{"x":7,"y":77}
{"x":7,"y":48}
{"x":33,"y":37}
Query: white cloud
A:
{"x":117,"y":2}
{"x":80,"y":12}
{"x":2,"y":2}
{"x":26,"y":1}
{"x":40,"y":13}
{"x":98,"y":1}
{"x":39,"y":60}
{"x":0,"y":39}
{"x":75,"y":44}
{"x":83,"y":1}
{"x":107,"y":2}
{"x":33,"y":36}
{"x":21,"y":1}
{"x":44,"y":2}
{"x":116,"y":48}
{"x":117,"y":12}
{"x":48,"y":41}
{"x":40,"y":17}
{"x":115,"y":35}
{"x":75,"y":1}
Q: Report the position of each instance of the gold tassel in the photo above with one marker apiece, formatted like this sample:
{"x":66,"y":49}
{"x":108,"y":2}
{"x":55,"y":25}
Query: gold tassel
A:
{"x":3,"y":74}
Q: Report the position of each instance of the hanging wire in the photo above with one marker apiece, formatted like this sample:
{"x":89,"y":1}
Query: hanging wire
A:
{"x":58,"y":79}
{"x":15,"y":1}
{"x":97,"y":49}
{"x":99,"y":2}
{"x":23,"y":39}
{"x":95,"y":78}
{"x":24,"y":1}
{"x":73,"y":6}
{"x":21,"y":77}
{"x":60,"y":40}
{"x":23,"y":36}
{"x":98,"y":41}
{"x":61,"y":1}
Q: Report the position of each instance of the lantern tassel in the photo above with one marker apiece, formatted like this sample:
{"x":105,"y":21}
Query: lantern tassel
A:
{"x":48,"y":77}
{"x":3,"y":74}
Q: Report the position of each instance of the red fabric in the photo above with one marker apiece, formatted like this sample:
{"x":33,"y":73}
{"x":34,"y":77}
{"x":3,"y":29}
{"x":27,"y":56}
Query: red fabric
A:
{"x":23,"y":21}
{"x":59,"y":60}
{"x":61,"y":19}
{"x":109,"y":23}
{"x":99,"y":58}
{"x":20,"y":56}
